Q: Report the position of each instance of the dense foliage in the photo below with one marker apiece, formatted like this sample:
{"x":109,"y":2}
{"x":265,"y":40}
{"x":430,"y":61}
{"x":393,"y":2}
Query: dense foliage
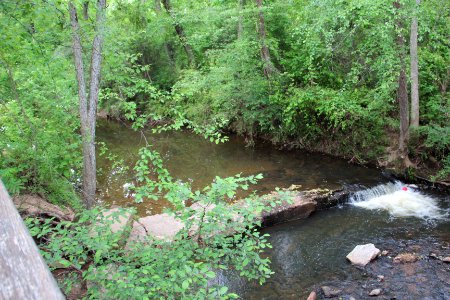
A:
{"x":319,"y":75}
{"x":333,"y":90}
{"x":216,"y":236}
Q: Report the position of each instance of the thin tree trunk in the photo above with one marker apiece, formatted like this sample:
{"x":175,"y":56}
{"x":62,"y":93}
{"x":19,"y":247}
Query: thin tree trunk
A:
{"x":181,"y":34}
{"x":269,"y":68}
{"x":240,"y":28}
{"x":86,"y":10}
{"x":414,"y":71}
{"x":88,"y":105}
{"x":168,"y":48}
{"x":402,"y":96}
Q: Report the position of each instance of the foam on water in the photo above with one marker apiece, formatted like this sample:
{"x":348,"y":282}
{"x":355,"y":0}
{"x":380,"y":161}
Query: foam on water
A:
{"x":398,"y":202}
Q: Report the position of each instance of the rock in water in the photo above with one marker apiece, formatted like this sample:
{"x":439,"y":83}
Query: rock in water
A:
{"x":405,"y":258}
{"x":361,"y":255}
{"x":446,"y":259}
{"x":330,"y":292}
{"x":312,"y":296}
{"x":375,"y":292}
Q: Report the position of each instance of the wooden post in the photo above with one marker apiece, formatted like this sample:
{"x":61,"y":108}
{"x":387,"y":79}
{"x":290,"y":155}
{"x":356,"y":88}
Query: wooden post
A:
{"x":23,"y":272}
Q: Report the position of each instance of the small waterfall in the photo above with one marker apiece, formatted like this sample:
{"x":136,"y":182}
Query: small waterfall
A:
{"x":400,"y":200}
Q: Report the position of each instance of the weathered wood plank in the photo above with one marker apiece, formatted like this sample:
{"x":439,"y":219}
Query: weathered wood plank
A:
{"x":23,"y":272}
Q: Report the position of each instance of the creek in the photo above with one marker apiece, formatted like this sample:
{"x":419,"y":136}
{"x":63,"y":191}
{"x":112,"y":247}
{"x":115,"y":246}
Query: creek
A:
{"x":306,"y":253}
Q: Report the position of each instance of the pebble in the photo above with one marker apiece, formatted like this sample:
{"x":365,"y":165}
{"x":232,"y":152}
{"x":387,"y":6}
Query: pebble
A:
{"x":406,"y":258}
{"x":330,"y":292}
{"x":375,"y":292}
{"x":385,"y":252}
{"x":312,"y":296}
{"x":380,"y":278}
{"x":446,"y":259}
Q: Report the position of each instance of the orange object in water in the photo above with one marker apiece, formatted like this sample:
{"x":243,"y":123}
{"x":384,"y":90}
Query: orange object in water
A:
{"x":404,"y":188}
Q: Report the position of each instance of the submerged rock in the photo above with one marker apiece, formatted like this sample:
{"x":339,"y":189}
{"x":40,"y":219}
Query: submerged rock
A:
{"x":361,"y":255}
{"x":375,"y":292}
{"x":330,"y":292}
{"x":446,"y":259}
{"x":406,"y":258}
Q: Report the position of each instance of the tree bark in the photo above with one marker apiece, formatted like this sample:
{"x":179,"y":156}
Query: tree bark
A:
{"x":402,"y":95}
{"x":86,"y":10}
{"x":181,"y":34}
{"x":268,"y":68}
{"x":414,"y":71}
{"x":88,"y":104}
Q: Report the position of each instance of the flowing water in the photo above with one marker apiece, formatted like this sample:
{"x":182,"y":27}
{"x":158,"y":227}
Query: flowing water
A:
{"x":306,"y":253}
{"x":311,"y":252}
{"x":190,"y":157}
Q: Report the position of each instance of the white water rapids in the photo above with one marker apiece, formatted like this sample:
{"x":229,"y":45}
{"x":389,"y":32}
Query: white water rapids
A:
{"x":400,"y":200}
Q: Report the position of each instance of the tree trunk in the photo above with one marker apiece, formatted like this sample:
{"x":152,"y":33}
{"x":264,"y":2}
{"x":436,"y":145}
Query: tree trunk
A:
{"x":181,"y":34}
{"x":240,"y":28}
{"x":86,"y":10}
{"x":414,"y":71}
{"x":168,"y":48}
{"x":269,"y":68}
{"x":88,"y":106}
{"x":402,"y":96}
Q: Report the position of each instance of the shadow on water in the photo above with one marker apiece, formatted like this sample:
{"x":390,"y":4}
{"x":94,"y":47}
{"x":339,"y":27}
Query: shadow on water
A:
{"x":188,"y":156}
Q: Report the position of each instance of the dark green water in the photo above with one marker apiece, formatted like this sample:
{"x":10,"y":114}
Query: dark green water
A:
{"x":305,"y":253}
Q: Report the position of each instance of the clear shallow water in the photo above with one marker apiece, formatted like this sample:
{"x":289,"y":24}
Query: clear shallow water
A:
{"x":188,"y":156}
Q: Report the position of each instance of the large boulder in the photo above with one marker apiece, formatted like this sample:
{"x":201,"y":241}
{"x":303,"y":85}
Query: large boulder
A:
{"x":361,"y":255}
{"x":116,"y":221}
{"x":118,"y":218}
{"x":300,"y":205}
{"x":160,"y":226}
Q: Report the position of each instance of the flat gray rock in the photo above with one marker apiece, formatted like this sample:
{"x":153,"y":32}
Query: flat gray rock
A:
{"x":115,"y":220}
{"x":161,"y":226}
{"x":119,"y":222}
{"x":361,"y":255}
